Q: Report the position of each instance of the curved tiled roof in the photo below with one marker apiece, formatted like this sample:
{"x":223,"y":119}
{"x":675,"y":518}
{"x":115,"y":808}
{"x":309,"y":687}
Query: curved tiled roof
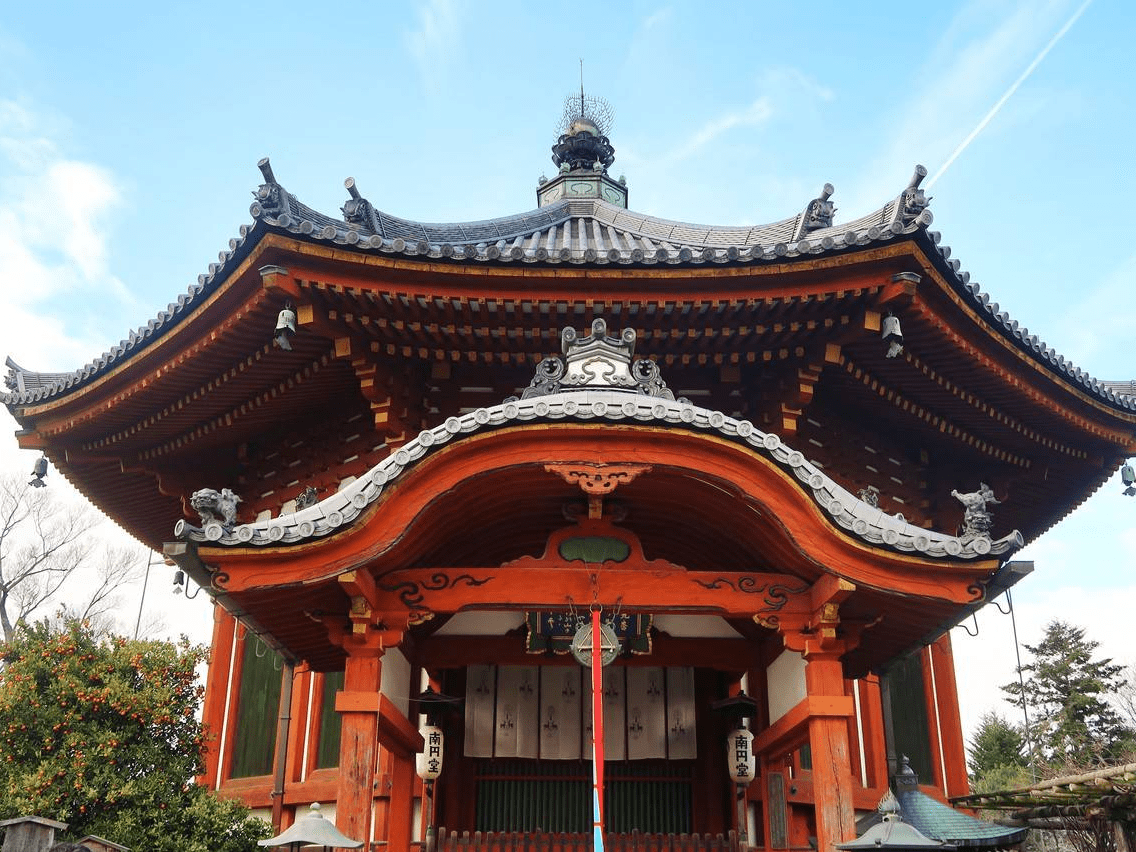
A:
{"x":845,"y":509}
{"x":581,"y":231}
{"x":572,"y":232}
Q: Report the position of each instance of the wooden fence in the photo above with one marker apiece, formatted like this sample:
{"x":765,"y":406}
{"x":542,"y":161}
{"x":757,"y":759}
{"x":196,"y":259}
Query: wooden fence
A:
{"x":526,"y":841}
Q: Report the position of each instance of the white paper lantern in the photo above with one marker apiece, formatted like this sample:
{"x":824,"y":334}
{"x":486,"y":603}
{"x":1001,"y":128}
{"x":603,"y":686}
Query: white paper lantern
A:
{"x":429,"y":760}
{"x":740,"y":761}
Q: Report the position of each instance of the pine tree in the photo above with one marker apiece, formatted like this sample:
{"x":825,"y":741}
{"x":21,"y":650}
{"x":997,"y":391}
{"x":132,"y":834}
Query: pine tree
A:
{"x":1067,"y":692}
{"x":995,"y":744}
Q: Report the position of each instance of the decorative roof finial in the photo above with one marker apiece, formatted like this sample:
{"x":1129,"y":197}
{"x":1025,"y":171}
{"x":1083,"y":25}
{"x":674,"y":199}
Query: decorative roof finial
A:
{"x":584,"y":126}
{"x":911,"y":207}
{"x":271,"y":197}
{"x":358,"y":210}
{"x":583,"y":153}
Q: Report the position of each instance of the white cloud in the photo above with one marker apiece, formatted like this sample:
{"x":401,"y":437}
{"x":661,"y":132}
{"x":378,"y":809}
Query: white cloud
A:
{"x":778,"y":87}
{"x":657,"y":18}
{"x":781,"y":95}
{"x":757,"y":112}
{"x":434,"y":43}
{"x":55,"y":219}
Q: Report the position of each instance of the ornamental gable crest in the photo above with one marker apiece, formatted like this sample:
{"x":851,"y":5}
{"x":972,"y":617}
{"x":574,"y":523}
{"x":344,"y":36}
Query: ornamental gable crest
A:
{"x":597,"y":361}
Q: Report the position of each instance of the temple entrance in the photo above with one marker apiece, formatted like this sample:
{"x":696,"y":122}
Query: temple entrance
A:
{"x":524,"y":735}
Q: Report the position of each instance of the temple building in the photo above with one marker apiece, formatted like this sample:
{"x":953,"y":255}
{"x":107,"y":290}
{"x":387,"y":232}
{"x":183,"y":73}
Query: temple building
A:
{"x":433,"y":474}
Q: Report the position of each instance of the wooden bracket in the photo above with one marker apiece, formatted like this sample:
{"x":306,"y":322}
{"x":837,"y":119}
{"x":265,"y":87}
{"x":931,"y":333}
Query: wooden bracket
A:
{"x":366,"y":631}
{"x":901,"y":288}
{"x":276,"y":278}
{"x":597,"y":480}
{"x":821,"y":632}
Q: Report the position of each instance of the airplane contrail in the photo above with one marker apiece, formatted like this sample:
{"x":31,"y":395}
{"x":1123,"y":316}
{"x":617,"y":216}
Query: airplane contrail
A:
{"x":986,"y":119}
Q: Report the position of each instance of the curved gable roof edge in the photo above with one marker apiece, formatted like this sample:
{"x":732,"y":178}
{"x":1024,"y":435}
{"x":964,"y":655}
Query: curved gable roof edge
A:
{"x":844,"y":509}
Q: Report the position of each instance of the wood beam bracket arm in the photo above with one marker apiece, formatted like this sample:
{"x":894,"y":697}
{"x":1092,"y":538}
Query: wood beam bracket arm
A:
{"x":820,"y":633}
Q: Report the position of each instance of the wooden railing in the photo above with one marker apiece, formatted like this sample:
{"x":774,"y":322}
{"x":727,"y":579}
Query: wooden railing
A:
{"x":528,"y":841}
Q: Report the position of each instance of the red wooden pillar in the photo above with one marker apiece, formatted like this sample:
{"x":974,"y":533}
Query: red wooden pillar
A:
{"x":930,"y":702}
{"x":953,"y":742}
{"x":831,"y":758}
{"x":365,"y":636}
{"x":822,"y":641}
{"x":301,"y":728}
{"x":217,"y":688}
{"x":401,"y":827}
{"x":358,"y":704}
{"x":872,"y":723}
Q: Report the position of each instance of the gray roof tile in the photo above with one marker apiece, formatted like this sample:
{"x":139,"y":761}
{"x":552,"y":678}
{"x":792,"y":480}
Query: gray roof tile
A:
{"x":576,"y":231}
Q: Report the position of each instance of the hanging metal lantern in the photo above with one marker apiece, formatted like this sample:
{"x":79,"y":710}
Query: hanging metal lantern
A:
{"x":429,"y":760}
{"x":583,"y":640}
{"x":740,"y":761}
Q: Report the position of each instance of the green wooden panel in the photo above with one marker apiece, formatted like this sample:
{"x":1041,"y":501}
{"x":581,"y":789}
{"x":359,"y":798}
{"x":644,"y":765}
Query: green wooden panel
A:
{"x":909,"y":715}
{"x":556,"y":795}
{"x":258,"y":708}
{"x":595,"y":549}
{"x":331,"y":724}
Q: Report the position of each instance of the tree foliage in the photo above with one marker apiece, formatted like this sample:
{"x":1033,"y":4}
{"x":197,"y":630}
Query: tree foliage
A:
{"x":995,"y":744}
{"x":1068,"y":693}
{"x":103,"y":735}
{"x":44,"y":542}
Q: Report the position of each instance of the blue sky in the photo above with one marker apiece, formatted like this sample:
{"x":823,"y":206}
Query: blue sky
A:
{"x":129,"y":135}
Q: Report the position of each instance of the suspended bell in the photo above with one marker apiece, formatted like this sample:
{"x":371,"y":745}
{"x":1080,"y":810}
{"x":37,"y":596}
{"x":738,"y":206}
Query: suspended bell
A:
{"x":1128,"y":477}
{"x":39,"y":471}
{"x":285,"y":327}
{"x":892,"y":335}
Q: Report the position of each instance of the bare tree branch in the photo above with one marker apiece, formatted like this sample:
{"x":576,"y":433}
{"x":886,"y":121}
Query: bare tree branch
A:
{"x":43,"y":544}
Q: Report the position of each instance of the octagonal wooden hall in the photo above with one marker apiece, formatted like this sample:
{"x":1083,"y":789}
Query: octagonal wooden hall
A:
{"x":409,"y":460}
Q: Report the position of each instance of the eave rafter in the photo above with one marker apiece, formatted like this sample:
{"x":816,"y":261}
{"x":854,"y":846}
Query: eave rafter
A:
{"x":992,"y":412}
{"x":232,"y":415}
{"x":757,"y":349}
{"x":936,"y":421}
{"x":61,"y":417}
{"x":903,"y":296}
{"x":213,"y":385}
{"x":458,"y":318}
{"x":1029,"y":389}
{"x":385,"y":384}
{"x":799,"y":387}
